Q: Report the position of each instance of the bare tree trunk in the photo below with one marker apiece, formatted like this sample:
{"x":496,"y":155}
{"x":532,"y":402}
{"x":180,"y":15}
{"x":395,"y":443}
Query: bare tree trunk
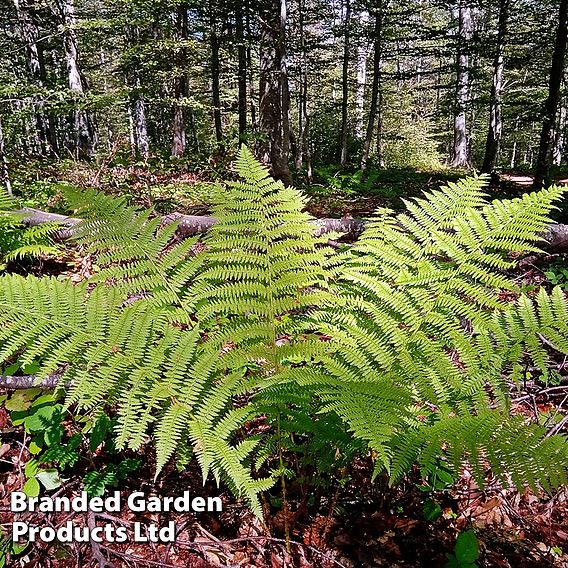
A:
{"x":241,"y":73}
{"x":495,"y":114}
{"x":181,"y":89}
{"x":215,"y":71}
{"x":250,"y":80}
{"x":375,"y":89}
{"x":302,"y":147}
{"x":460,"y":153}
{"x":560,"y":136}
{"x":272,"y":108}
{"x":84,"y":131}
{"x":47,"y":135}
{"x":284,"y":86}
{"x":4,"y":164}
{"x":544,"y":160}
{"x":362,"y":54}
{"x":142,"y":145}
{"x":345,"y":84}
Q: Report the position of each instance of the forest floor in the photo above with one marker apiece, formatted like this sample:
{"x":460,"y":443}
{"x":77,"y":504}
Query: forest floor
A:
{"x":344,"y":521}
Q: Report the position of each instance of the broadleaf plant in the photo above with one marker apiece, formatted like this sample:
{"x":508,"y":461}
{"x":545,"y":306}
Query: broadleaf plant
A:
{"x":398,"y":346}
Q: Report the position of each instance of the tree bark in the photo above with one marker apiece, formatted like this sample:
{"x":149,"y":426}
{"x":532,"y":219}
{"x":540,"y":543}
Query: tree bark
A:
{"x":345,"y":84}
{"x":84,"y":131}
{"x":4,"y":164}
{"x":560,"y":136}
{"x":302,"y":146}
{"x":376,"y":87}
{"x":272,"y":107}
{"x":495,"y":112}
{"x":181,"y":88}
{"x":460,"y":152}
{"x":141,"y":128}
{"x":544,"y":160}
{"x":45,"y":123}
{"x":555,"y":239}
{"x":215,"y":43}
{"x":362,"y":54}
{"x":241,"y":73}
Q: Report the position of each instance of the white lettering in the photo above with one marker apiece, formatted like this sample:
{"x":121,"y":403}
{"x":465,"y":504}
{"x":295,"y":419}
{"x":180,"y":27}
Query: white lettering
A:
{"x":214,"y":504}
{"x":136,"y":502}
{"x":19,"y":529}
{"x":198,"y":504}
{"x":18,"y":502}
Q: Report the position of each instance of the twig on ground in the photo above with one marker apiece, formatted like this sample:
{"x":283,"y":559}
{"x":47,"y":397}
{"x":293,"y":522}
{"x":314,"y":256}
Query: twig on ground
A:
{"x":96,"y":548}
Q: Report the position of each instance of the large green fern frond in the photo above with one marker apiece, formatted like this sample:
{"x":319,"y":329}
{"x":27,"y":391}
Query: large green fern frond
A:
{"x":404,"y":341}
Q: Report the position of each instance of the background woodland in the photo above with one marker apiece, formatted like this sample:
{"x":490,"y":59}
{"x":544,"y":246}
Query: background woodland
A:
{"x":305,"y":82}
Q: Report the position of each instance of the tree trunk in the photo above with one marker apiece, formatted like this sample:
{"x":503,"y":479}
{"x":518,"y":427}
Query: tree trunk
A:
{"x":302,"y":146}
{"x":272,"y":108}
{"x":362,"y":54}
{"x":375,"y":89}
{"x":544,"y":160}
{"x":181,"y":88}
{"x":241,"y":74}
{"x":345,"y":84}
{"x":4,"y":164}
{"x":35,"y":61}
{"x":84,"y":131}
{"x":460,"y":153}
{"x":250,"y":79}
{"x":141,"y":129}
{"x":215,"y":71}
{"x":560,"y":136}
{"x":284,"y":86}
{"x":495,"y":114}
{"x":555,"y":238}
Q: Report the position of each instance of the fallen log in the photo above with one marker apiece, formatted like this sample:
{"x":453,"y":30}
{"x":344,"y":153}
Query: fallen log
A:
{"x":27,"y":382}
{"x":188,"y":224}
{"x":555,"y":240}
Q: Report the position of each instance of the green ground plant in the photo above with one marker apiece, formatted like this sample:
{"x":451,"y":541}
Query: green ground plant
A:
{"x":399,"y":347}
{"x":17,"y":241}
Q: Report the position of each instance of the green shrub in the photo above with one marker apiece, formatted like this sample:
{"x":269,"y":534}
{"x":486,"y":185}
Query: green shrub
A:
{"x":398,"y":346}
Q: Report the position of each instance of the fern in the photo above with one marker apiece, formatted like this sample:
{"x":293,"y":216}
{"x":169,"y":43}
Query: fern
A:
{"x":399,"y":345}
{"x":420,"y":319}
{"x":16,"y":241}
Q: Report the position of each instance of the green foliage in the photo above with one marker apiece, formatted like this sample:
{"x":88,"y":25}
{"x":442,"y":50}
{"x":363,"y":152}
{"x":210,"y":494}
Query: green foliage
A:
{"x":53,"y":448}
{"x":557,"y":274}
{"x":96,"y":482}
{"x":398,"y":345}
{"x":466,"y":551}
{"x":16,"y":241}
{"x":10,"y":549}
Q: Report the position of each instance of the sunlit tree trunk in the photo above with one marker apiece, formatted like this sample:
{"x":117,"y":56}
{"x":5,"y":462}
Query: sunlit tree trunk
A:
{"x":83,"y":127}
{"x":302,"y":146}
{"x":345,"y":84}
{"x":544,"y":160}
{"x":495,"y":113}
{"x":4,"y":164}
{"x":46,"y":129}
{"x":375,"y":108}
{"x":215,"y":44}
{"x":362,"y":54}
{"x":560,"y":137}
{"x":460,"y":152}
{"x":141,"y":129}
